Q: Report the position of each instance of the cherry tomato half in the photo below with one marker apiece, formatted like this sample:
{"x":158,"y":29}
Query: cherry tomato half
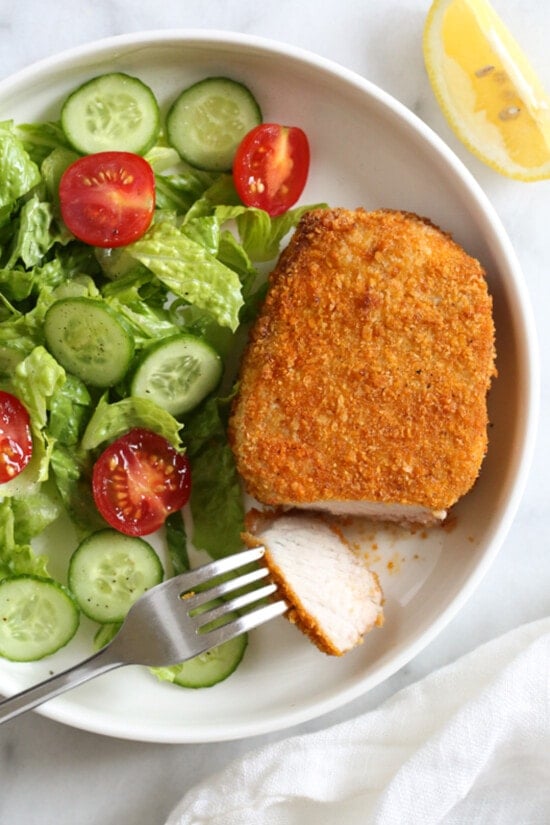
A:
{"x":271,"y":167}
{"x":15,"y":437}
{"x":139,"y":480}
{"x":108,"y":199}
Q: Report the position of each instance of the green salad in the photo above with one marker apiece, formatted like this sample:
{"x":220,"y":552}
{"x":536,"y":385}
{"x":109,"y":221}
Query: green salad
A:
{"x":99,"y":339}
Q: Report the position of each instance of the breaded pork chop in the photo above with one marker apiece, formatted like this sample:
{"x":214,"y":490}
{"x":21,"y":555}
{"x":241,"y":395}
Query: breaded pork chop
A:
{"x":363,"y":387}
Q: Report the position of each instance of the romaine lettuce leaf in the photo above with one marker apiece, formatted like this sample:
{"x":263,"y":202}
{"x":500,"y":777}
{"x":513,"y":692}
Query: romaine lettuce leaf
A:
{"x":16,"y":284}
{"x":204,"y":231}
{"x":33,"y":513}
{"x":19,"y":284}
{"x":221,"y":191}
{"x":176,"y":542}
{"x":18,"y":557}
{"x":216,"y":499}
{"x":201,"y":324}
{"x":261,"y":235}
{"x":142,"y":304}
{"x":70,"y":409}
{"x":72,"y":471}
{"x":37,"y":378}
{"x":191,"y":272}
{"x":15,"y":345}
{"x":109,"y":421}
{"x":181,"y":186}
{"x":39,"y":139}
{"x":76,"y":258}
{"x":18,"y":173}
{"x":33,"y":237}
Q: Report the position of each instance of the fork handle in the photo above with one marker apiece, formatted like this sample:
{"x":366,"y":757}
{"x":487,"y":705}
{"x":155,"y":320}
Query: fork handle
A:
{"x":98,"y":663}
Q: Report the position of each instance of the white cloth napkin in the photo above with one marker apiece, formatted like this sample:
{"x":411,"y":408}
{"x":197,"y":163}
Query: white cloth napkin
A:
{"x":467,"y":745}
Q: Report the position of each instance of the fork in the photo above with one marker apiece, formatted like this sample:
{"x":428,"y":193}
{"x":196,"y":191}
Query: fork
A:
{"x":165,"y":626}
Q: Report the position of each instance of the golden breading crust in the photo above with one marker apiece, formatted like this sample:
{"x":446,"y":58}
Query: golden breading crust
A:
{"x":366,"y":373}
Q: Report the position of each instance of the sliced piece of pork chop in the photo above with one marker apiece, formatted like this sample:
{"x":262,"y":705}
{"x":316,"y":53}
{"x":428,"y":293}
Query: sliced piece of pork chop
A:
{"x":334,"y":598}
{"x":363,"y":387}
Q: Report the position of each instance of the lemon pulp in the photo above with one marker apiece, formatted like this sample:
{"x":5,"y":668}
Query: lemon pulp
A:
{"x":487,"y":89}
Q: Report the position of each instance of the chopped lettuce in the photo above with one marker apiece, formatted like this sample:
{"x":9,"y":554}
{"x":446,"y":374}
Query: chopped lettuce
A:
{"x":18,"y":173}
{"x":178,"y":186}
{"x":72,"y":471}
{"x":70,"y":409}
{"x":33,"y":238}
{"x":33,"y":513}
{"x":40,"y":139}
{"x":222,"y":191}
{"x":190,"y":271}
{"x":17,"y":556}
{"x":109,"y":421}
{"x":216,"y":496}
{"x":176,"y":542}
{"x":142,"y":303}
{"x":216,"y":501}
{"x":261,"y":236}
{"x":194,"y":270}
{"x":13,"y":349}
{"x":37,"y":378}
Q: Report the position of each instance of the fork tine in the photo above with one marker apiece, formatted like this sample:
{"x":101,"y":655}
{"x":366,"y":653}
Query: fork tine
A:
{"x":237,"y":603}
{"x":204,"y":596}
{"x":249,"y":621}
{"x":206,"y":572}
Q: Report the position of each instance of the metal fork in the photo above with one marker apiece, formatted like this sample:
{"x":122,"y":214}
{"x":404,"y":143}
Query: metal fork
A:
{"x":169,"y":624}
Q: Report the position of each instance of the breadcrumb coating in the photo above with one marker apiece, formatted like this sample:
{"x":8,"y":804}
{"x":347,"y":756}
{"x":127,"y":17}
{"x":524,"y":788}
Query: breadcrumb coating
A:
{"x":366,"y":374}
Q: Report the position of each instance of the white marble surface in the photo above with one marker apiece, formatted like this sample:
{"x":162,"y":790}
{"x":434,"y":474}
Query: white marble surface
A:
{"x":50,"y":773}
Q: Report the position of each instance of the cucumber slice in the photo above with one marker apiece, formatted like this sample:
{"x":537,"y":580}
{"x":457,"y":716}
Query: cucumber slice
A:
{"x":109,"y":571}
{"x":211,"y":667}
{"x":37,"y":617}
{"x":177,"y":373}
{"x":88,"y":340}
{"x":111,"y":112}
{"x":208,"y":120}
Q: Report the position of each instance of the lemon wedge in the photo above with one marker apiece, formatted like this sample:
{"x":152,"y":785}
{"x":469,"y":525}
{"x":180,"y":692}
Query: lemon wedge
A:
{"x":487,"y":89}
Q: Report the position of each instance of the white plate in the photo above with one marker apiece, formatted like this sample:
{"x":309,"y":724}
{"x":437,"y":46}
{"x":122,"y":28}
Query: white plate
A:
{"x":367,"y":150}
